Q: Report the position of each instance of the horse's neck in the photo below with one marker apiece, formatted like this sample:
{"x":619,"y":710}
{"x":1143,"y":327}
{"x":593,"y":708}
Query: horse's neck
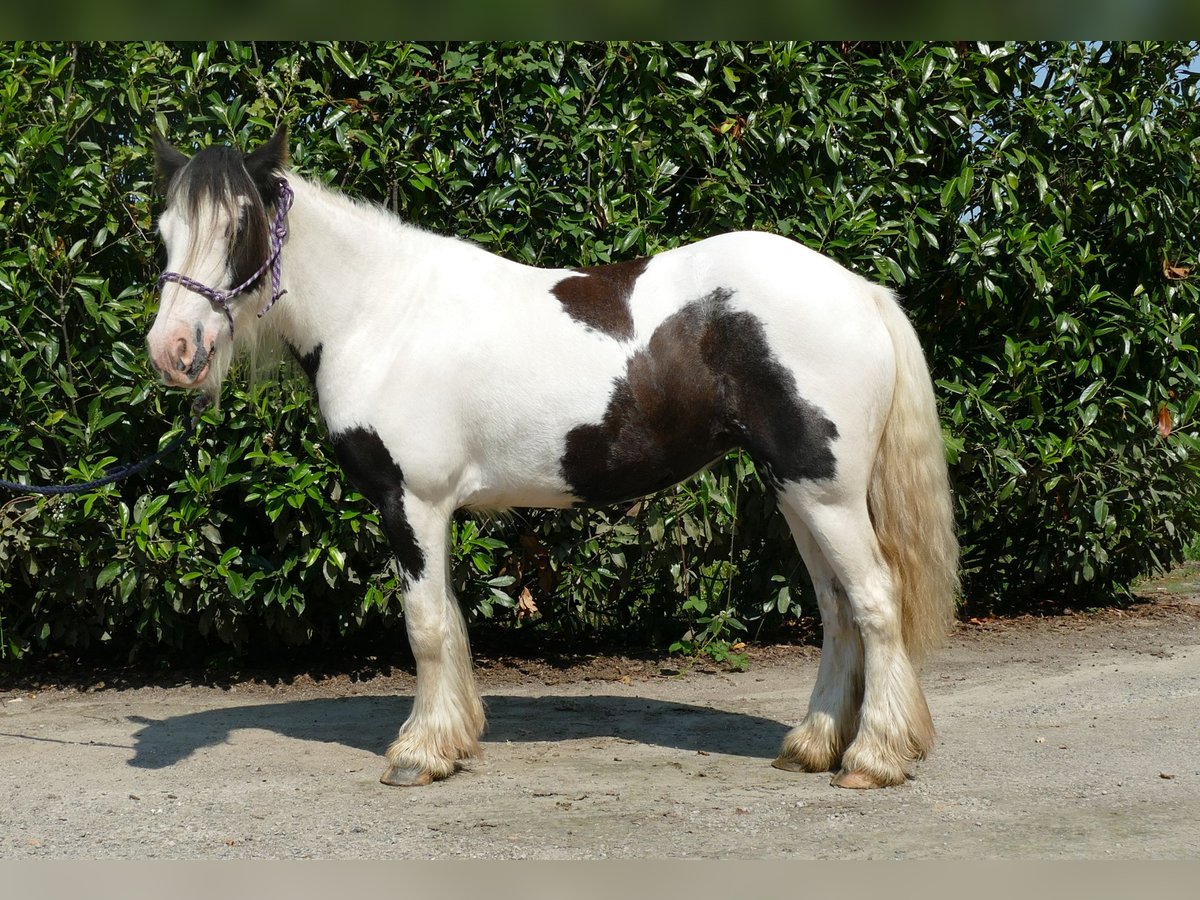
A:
{"x":335,"y":249}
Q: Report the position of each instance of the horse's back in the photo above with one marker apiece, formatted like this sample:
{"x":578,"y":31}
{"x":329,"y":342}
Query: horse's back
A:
{"x":542,"y":386}
{"x":817,"y":317}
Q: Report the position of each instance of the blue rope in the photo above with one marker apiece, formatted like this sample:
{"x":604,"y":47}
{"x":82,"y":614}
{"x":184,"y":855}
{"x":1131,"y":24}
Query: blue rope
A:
{"x":198,"y":407}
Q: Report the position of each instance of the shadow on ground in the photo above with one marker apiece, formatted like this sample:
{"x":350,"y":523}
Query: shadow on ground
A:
{"x":370,"y":723}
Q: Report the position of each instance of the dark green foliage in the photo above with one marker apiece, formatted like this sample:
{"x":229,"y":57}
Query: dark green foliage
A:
{"x":1034,"y":204}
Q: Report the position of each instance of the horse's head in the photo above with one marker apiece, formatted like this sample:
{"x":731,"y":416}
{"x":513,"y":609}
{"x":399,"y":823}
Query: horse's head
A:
{"x":217,"y":230}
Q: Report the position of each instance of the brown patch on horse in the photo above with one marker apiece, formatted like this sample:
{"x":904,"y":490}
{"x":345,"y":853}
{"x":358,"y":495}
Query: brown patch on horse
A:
{"x":598,"y":296}
{"x":704,"y":383}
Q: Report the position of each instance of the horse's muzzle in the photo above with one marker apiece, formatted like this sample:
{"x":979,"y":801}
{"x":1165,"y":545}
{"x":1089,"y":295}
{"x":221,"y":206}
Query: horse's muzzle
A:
{"x":183,"y":359}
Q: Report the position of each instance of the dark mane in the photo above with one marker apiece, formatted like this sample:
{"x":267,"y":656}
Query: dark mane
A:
{"x":218,"y":176}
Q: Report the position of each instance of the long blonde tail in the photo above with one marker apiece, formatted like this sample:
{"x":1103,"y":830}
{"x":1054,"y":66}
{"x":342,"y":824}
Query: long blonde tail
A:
{"x":909,"y":497}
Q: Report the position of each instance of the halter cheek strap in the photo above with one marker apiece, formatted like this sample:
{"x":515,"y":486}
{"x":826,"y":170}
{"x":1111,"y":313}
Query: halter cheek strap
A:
{"x":220,"y":298}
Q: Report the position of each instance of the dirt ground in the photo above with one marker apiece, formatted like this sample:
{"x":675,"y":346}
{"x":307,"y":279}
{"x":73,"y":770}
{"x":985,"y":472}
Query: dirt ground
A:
{"x":1071,"y":736}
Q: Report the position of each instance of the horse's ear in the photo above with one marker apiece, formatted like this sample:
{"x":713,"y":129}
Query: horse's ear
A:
{"x":268,"y":159}
{"x":168,"y":159}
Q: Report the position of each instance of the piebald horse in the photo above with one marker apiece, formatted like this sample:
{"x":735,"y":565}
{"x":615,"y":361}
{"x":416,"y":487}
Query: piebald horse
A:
{"x":450,"y":377}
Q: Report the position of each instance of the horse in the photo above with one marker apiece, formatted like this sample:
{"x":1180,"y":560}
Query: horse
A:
{"x":631,"y":377}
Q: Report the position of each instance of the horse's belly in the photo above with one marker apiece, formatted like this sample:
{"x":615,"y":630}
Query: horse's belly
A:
{"x":518,"y":496}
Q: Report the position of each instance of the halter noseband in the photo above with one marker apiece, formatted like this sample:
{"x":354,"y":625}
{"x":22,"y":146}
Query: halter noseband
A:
{"x":221,"y":298}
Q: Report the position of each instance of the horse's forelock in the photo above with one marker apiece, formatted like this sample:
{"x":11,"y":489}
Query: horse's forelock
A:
{"x":216,"y":178}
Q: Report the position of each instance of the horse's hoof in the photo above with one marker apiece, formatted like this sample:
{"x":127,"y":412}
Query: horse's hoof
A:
{"x":857,"y":781}
{"x":400,"y":776}
{"x":788,"y":765}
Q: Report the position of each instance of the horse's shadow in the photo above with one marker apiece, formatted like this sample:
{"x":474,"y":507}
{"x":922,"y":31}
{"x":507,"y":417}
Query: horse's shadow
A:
{"x":370,"y":723}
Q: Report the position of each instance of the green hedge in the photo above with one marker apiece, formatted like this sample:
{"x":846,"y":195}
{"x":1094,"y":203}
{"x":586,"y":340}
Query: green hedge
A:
{"x":1034,"y":204}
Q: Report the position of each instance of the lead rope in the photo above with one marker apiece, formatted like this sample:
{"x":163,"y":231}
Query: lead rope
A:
{"x":199,"y":405}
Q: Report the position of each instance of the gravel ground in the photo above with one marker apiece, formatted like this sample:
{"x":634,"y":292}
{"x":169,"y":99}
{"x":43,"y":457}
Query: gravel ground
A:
{"x":1070,"y":736}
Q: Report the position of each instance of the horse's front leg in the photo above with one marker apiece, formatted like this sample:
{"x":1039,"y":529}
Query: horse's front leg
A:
{"x":447,"y":716}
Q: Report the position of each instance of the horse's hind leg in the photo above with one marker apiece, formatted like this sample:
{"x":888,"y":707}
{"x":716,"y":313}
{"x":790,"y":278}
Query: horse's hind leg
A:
{"x":816,"y":744}
{"x":447,"y":717}
{"x":894,"y":727}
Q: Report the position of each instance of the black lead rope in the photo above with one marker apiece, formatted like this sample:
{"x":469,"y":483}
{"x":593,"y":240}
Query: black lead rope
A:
{"x":200,"y":404}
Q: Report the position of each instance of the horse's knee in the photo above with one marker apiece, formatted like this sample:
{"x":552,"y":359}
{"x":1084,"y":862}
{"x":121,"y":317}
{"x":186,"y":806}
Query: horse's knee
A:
{"x":429,"y":635}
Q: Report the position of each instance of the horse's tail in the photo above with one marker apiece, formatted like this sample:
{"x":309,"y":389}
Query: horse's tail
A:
{"x":909,"y":497}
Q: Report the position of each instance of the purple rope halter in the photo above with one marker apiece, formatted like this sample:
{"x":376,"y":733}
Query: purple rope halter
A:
{"x":273,"y":262}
